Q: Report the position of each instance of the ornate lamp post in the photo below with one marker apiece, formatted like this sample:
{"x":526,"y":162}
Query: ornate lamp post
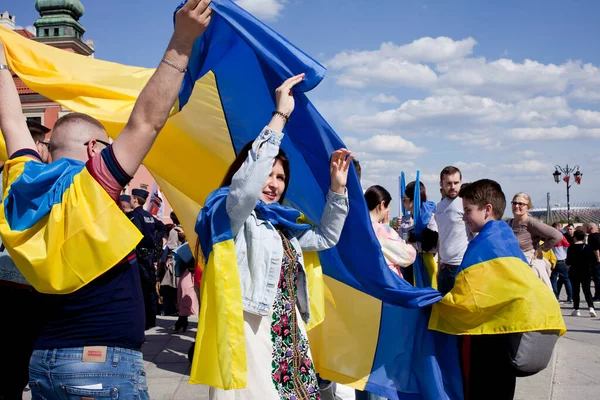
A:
{"x":567,"y":172}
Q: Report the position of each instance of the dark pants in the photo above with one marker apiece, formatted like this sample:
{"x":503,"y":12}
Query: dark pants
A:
{"x":360,"y":395}
{"x":408,"y":274}
{"x":488,"y":373}
{"x":148,"y":279}
{"x":584,"y":280}
{"x":561,"y":271}
{"x":20,"y":329}
{"x":446,"y":277}
{"x":169,"y":298}
{"x":596,"y":278}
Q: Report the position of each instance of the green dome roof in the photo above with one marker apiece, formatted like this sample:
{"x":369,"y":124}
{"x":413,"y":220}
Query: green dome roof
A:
{"x":54,"y":6}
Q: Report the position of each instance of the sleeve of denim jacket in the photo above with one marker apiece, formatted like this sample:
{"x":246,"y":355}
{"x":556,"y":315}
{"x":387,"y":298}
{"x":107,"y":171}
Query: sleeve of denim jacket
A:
{"x":326,"y":235}
{"x":249,"y":180}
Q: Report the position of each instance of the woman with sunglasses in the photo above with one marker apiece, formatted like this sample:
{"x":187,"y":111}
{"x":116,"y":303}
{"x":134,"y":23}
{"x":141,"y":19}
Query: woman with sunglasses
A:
{"x":529,"y":232}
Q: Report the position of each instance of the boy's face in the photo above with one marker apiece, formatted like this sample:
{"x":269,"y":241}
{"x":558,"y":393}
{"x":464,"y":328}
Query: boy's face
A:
{"x":474,"y":217}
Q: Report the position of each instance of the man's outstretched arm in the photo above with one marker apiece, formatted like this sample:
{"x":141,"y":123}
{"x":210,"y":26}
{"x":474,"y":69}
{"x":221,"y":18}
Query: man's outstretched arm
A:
{"x":152,"y":108}
{"x":12,"y":121}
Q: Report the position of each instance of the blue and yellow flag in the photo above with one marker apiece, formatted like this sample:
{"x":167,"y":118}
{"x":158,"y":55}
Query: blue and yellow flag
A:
{"x":58,"y":224}
{"x":496,"y":291}
{"x":373,"y":335}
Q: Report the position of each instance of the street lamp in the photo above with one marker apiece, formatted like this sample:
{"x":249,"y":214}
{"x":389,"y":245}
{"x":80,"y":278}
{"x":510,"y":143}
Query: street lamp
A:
{"x":577,"y":177}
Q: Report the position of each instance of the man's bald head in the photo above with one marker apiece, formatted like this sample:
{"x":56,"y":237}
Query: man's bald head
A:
{"x":75,"y":136}
{"x":591,"y":227}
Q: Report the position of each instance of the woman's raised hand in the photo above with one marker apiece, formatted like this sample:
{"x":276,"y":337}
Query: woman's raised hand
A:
{"x":338,"y":169}
{"x":284,"y":102}
{"x":284,"y":99}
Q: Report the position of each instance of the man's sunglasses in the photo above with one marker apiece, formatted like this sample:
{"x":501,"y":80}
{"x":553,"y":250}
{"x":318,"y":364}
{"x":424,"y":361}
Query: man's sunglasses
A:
{"x":99,"y":141}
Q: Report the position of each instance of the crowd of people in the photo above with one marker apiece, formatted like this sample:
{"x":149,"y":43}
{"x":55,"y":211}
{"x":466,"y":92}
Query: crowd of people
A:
{"x":87,"y":339}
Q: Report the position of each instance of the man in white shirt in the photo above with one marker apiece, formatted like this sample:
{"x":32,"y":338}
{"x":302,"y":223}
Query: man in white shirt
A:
{"x":453,"y":233}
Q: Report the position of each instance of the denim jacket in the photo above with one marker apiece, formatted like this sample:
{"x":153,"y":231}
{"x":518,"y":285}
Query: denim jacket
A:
{"x":258,"y":245}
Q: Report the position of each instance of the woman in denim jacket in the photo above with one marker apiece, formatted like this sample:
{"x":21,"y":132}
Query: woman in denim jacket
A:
{"x":270,"y":261}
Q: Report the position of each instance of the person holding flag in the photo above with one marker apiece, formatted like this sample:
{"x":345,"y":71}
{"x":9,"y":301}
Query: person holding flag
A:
{"x":71,"y":241}
{"x":244,"y":226}
{"x":507,"y":318}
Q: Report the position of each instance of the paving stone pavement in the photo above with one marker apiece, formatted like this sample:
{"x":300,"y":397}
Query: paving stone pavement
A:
{"x":574,"y":372}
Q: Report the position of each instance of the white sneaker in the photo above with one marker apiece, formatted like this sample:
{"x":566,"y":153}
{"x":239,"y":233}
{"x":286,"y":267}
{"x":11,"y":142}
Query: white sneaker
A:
{"x":592,"y":313}
{"x":576,"y":313}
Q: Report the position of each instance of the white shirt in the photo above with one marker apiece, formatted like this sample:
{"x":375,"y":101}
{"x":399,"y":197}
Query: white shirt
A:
{"x":453,"y":232}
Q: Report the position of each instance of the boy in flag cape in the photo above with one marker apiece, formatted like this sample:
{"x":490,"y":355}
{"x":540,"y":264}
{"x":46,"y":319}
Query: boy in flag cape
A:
{"x":496,"y":296}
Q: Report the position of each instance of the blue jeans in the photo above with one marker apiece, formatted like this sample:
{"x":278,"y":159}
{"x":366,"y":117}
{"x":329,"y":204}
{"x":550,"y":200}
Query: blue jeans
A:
{"x":561,"y":271}
{"x":446,"y":277}
{"x":60,"y":374}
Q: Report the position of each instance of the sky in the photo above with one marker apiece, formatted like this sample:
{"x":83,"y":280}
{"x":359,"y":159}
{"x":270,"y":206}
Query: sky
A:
{"x":503,"y":90}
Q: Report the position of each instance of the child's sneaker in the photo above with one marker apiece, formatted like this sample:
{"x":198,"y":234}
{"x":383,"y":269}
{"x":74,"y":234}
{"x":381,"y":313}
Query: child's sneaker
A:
{"x":576,"y":313}
{"x":592,"y":313}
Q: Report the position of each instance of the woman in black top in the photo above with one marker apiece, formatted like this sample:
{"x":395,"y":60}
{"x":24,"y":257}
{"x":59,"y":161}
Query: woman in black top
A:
{"x":580,"y":259}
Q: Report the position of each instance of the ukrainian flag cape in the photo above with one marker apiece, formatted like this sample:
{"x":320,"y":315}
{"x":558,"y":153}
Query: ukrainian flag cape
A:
{"x":58,"y":224}
{"x":373,"y":333}
{"x":496,"y":291}
{"x":220,"y":334}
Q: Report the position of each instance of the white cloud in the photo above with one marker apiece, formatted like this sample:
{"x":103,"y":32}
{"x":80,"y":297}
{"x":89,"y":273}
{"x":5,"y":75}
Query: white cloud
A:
{"x":485,"y":140}
{"x":554,"y":133}
{"x":442,"y":110}
{"x":469,"y":166}
{"x":386,"y":144}
{"x":426,"y":49}
{"x":446,"y":67}
{"x":399,"y":73}
{"x":387,"y":165}
{"x":589,"y":94}
{"x":398,"y":65}
{"x":542,"y":111}
{"x":385,"y":99}
{"x":472,"y":120}
{"x":528,"y":166}
{"x":528,"y":154}
{"x":588,"y":118}
{"x":268,"y":10}
{"x":505,"y":78}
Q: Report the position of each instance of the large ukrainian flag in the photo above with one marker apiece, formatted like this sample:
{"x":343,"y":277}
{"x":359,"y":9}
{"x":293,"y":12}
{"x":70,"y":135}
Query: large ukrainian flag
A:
{"x":374,"y":334}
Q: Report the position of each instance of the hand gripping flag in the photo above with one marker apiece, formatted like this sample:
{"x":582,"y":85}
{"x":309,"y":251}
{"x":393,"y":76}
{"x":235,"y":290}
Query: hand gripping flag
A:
{"x":373,"y":334}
